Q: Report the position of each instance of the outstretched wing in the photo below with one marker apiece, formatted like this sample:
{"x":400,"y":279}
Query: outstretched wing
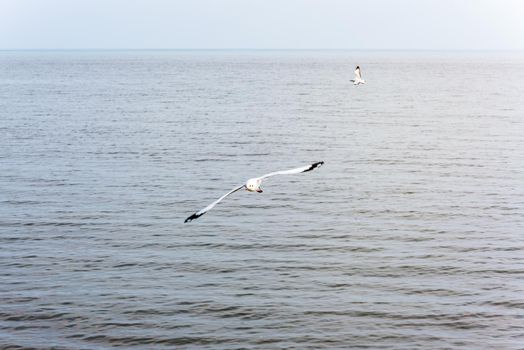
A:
{"x":209,"y":207}
{"x":302,"y":169}
{"x":357,"y":74}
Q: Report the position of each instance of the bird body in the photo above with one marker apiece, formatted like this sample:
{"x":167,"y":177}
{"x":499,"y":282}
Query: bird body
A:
{"x":358,"y":77}
{"x":253,"y":185}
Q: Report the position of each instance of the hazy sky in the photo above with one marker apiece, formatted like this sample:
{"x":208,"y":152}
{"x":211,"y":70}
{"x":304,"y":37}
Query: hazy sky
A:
{"x":259,"y":24}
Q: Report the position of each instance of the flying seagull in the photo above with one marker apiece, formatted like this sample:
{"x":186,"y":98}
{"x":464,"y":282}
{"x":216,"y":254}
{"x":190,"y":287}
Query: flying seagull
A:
{"x":358,"y":78}
{"x":253,"y":185}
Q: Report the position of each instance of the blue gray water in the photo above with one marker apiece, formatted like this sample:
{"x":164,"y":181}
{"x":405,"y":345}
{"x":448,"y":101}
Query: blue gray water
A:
{"x":411,"y":236}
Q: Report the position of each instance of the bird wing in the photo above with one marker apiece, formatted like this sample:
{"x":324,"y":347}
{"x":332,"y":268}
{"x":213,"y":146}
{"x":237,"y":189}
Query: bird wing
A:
{"x":302,"y":169}
{"x":357,"y":74}
{"x":209,"y":207}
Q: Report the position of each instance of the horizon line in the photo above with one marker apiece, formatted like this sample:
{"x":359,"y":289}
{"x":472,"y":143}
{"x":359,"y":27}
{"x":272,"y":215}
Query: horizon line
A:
{"x":257,"y":49}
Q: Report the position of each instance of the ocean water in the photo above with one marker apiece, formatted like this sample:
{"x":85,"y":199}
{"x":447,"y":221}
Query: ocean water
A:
{"x":411,"y":236}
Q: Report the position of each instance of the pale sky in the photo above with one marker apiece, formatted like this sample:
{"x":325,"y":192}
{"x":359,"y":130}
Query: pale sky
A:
{"x":262,"y":24}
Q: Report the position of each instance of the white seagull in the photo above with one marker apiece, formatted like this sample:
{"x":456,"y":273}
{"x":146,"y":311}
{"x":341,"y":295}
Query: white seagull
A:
{"x":253,"y":185}
{"x":358,"y":78}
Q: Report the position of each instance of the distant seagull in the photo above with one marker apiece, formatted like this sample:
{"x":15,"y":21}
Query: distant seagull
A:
{"x":358,"y":78}
{"x":253,"y":185}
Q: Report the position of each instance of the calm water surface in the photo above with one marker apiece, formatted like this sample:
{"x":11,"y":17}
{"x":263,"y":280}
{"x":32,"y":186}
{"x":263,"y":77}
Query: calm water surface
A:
{"x":410,"y":237}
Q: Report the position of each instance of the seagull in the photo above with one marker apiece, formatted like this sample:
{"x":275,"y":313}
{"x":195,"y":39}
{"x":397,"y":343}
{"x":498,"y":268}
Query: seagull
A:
{"x":358,"y":78}
{"x":253,"y":185}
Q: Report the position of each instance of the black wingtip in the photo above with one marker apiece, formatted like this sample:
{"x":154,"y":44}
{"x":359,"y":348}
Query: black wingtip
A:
{"x":313,"y":166}
{"x":193,"y":217}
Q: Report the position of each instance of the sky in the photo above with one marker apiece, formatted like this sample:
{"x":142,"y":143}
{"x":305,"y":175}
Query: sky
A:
{"x":262,"y":24}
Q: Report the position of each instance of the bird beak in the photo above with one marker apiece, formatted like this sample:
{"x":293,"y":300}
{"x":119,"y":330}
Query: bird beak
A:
{"x":259,"y":190}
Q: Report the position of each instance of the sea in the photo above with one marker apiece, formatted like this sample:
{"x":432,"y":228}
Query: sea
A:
{"x":410,"y":236}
